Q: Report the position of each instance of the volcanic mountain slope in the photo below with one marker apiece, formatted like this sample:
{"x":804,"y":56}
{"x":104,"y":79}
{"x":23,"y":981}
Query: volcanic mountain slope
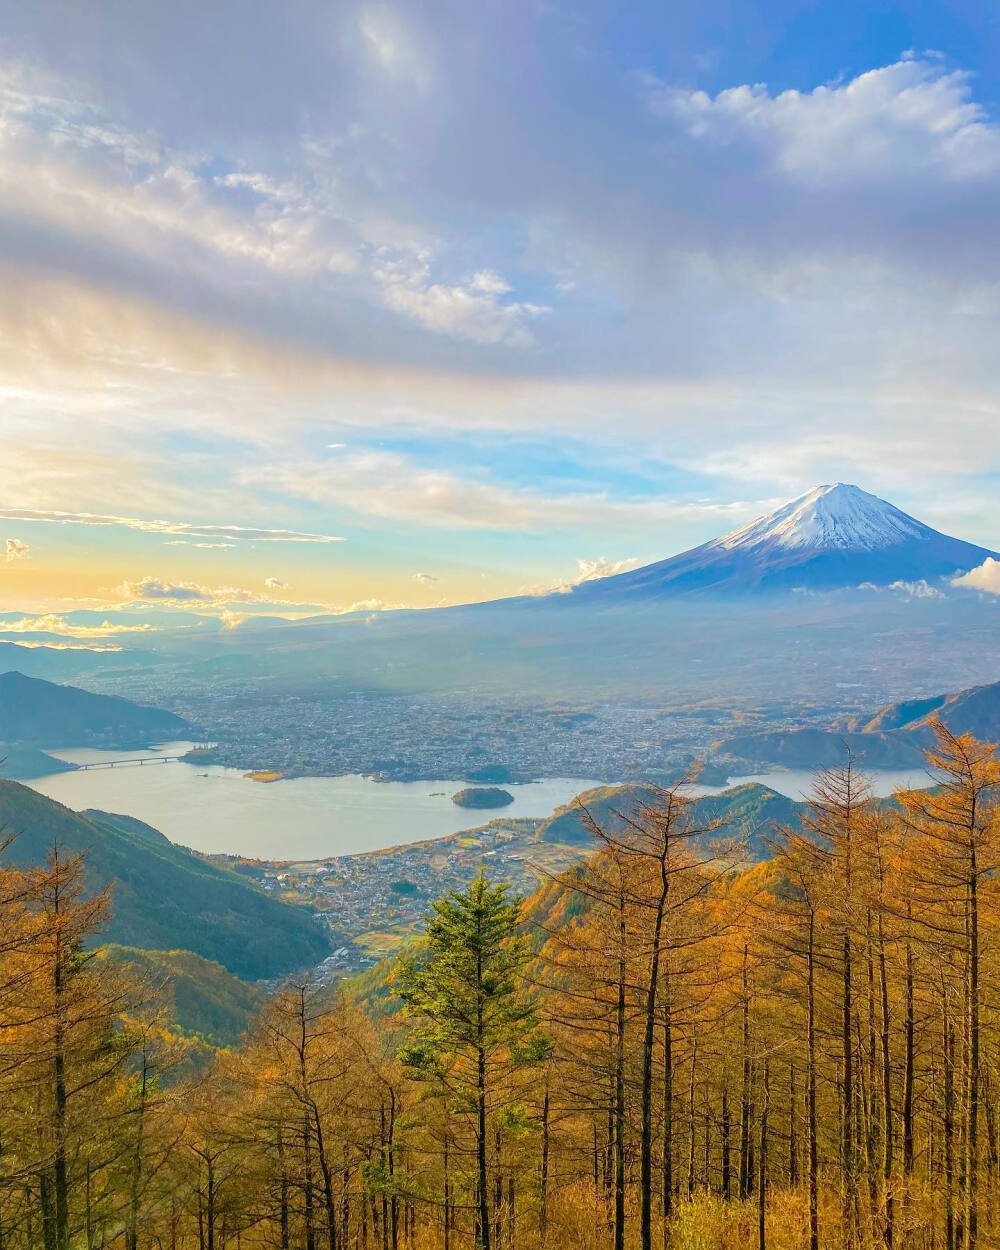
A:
{"x":723,"y":620}
{"x":833,"y":537}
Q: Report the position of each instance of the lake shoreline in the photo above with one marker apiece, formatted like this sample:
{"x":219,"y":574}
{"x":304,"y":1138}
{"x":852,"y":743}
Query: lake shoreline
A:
{"x":219,"y":810}
{"x":216,"y":810}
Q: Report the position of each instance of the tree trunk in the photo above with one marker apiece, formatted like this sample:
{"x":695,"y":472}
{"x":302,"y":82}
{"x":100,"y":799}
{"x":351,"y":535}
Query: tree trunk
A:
{"x":908,"y":1073}
{"x":667,"y":1179}
{"x":447,"y":1183}
{"x":59,"y":1166}
{"x":283,"y":1193}
{"x":948,"y":1131}
{"x":847,"y":1093}
{"x":483,"y":1222}
{"x":811,"y":1087}
{"x":887,"y":1122}
{"x":210,"y":1207}
{"x":793,"y":1141}
{"x":691,"y":1115}
{"x":620,"y":1082}
{"x":762,"y":1161}
{"x":329,"y":1199}
{"x":745,"y":1150}
{"x":972,"y":1102}
{"x":646,"y":1142}
{"x":543,"y":1216}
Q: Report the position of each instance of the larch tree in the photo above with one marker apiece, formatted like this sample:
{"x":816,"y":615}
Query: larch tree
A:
{"x":957,"y":852}
{"x":476,"y":1023}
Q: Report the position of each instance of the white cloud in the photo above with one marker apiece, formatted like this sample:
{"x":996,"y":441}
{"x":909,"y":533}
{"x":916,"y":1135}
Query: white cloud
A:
{"x":920,"y":589}
{"x":587,"y":571}
{"x":234,"y":533}
{"x":350,"y":267}
{"x":50,"y":644}
{"x":52,"y":623}
{"x":155,"y":588}
{"x":216,"y":599}
{"x":16,"y":550}
{"x":185,"y":542}
{"x":473,"y":310}
{"x":368,"y":605}
{"x":126,"y":191}
{"x":489,"y":283}
{"x":395,"y":47}
{"x":387,"y":484}
{"x":594,"y":570}
{"x":910,"y":118}
{"x":984,"y":577}
{"x":275,"y":583}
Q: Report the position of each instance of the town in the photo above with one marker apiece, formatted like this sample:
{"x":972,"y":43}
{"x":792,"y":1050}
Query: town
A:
{"x":431,"y":737}
{"x":372,"y":903}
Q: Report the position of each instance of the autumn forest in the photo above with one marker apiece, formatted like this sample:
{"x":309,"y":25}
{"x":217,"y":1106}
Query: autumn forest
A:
{"x":665,"y":1047}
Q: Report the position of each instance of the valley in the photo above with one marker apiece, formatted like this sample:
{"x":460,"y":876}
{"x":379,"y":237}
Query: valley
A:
{"x":746,"y":662}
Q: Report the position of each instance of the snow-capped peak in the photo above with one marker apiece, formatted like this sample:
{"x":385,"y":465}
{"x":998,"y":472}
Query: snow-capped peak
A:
{"x":840,"y":517}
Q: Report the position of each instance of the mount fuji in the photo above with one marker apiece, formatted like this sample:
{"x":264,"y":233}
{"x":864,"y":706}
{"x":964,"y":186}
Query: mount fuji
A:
{"x":724,"y":619}
{"x":832,"y":538}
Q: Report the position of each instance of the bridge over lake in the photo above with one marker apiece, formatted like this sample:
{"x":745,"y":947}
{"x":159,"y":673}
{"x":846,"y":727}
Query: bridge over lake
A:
{"x":139,"y":759}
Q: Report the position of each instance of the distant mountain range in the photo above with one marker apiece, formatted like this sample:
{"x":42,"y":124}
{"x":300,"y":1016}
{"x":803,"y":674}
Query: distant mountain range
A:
{"x":42,"y":714}
{"x":894,"y":737}
{"x":58,"y":662}
{"x":165,"y":897}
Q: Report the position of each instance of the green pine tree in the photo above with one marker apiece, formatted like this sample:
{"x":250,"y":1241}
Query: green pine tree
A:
{"x":478,"y":1025}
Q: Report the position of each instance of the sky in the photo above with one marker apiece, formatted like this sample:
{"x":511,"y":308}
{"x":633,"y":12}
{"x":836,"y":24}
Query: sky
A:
{"x":320,"y":306}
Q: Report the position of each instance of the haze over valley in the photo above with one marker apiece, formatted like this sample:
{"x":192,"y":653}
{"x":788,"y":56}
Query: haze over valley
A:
{"x":830,"y":607}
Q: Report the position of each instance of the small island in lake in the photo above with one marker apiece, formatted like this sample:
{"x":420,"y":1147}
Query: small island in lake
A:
{"x":483,"y":797}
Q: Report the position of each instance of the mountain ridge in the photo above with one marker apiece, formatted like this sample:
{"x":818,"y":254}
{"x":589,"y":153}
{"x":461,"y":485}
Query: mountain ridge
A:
{"x":748,"y":814}
{"x":42,"y":713}
{"x":892,"y":737}
{"x":164,"y":897}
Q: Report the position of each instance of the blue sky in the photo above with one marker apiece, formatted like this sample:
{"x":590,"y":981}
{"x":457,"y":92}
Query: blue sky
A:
{"x":328,"y":304}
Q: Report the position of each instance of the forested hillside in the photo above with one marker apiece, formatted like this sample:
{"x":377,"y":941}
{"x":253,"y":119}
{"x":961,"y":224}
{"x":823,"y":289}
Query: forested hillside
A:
{"x":201,"y":997}
{"x":165,"y":897}
{"x":21,"y":763}
{"x":660,"y":1049}
{"x":49,"y":715}
{"x":742,"y":815}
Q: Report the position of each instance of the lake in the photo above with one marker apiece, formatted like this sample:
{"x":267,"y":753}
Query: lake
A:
{"x":219,"y":810}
